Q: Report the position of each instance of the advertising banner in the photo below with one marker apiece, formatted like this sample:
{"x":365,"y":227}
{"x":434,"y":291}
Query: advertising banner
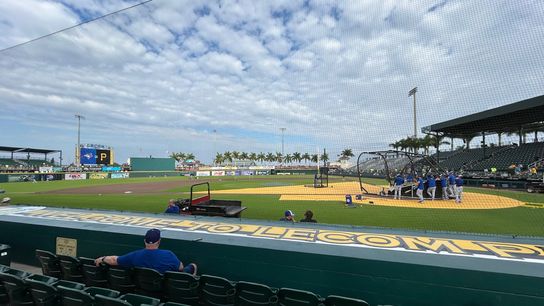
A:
{"x":98,"y":176}
{"x":218,"y":173}
{"x":75,"y":176}
{"x":46,"y":169}
{"x":238,"y":172}
{"x":248,"y":172}
{"x":203,"y":173}
{"x":21,"y":178}
{"x":262,"y":172}
{"x":57,"y":169}
{"x":103,"y":157}
{"x":111,"y":169}
{"x":87,"y":156}
{"x":120,"y":175}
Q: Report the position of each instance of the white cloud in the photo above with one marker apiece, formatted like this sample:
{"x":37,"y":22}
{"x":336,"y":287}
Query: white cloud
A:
{"x":336,"y":74}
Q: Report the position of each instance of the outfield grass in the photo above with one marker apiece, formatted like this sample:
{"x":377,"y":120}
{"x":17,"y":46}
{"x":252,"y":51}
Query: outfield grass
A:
{"x":512,"y":221}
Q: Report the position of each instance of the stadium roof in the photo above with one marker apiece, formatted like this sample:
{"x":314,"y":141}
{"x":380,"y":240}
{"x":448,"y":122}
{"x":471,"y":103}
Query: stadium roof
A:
{"x":509,"y":117}
{"x":27,"y":150}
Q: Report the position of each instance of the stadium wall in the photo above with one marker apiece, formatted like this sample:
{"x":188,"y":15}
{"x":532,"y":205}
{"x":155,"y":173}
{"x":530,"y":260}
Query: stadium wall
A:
{"x":152,"y":164}
{"x":294,"y":264}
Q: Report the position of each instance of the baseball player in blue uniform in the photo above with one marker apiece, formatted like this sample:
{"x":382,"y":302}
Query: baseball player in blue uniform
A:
{"x":444,"y":185}
{"x":459,"y":189}
{"x":399,"y":182}
{"x":420,"y":187}
{"x":431,"y":190}
{"x":451,"y":182}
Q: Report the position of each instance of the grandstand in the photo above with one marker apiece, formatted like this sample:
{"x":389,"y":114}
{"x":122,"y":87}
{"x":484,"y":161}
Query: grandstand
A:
{"x":522,"y":117}
{"x":26,"y":159}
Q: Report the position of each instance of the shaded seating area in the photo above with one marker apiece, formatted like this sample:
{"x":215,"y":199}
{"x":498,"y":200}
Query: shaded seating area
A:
{"x":112,"y":286}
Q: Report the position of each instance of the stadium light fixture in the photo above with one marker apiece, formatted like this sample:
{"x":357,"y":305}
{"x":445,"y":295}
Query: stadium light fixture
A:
{"x":282,"y":147}
{"x":79,"y":117}
{"x":413,"y":93}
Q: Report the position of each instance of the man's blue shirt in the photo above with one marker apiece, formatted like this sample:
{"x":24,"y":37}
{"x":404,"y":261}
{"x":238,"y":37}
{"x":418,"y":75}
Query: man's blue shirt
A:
{"x":443,"y":182}
{"x":432,"y":182}
{"x":451,"y":178}
{"x":420,"y":184}
{"x":160,"y":260}
{"x":459,"y":182}
{"x":172,"y":210}
{"x":399,"y":181}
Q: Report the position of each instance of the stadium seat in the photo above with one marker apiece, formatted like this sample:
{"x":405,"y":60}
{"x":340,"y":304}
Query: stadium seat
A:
{"x":335,"y":300}
{"x":42,"y":290}
{"x":69,"y":284}
{"x":129,"y":299}
{"x":293,"y":297}
{"x":71,"y":268}
{"x":148,"y":282}
{"x":78,"y":297}
{"x":217,"y":291}
{"x":120,"y":279}
{"x":248,"y":294}
{"x":181,"y":287}
{"x":16,"y":288}
{"x":94,"y":276}
{"x":173,"y":304}
{"x":49,"y":262}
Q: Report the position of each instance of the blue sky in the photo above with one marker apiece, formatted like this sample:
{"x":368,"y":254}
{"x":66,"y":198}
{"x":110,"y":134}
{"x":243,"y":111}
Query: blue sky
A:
{"x":161,"y":77}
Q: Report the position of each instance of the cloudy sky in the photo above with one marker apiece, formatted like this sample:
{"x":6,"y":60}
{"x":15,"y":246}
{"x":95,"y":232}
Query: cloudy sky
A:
{"x":163,"y":76}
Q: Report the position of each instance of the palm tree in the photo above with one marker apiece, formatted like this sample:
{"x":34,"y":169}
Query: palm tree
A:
{"x":218,"y":158}
{"x":270,"y":157}
{"x":189,"y":156}
{"x":244,"y":156}
{"x":235,"y":155}
{"x":314,"y":158}
{"x":324,"y":157}
{"x":297,"y":156}
{"x":253,"y":157}
{"x":182,"y":156}
{"x":347,"y":154}
{"x":261,"y":157}
{"x":227,"y":156}
{"x":306,"y":157}
{"x":279,"y":157}
{"x":288,"y":158}
{"x":174,"y":155}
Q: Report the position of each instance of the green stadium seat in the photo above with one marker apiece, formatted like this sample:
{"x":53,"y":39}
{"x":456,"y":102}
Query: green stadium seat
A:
{"x":293,"y":297}
{"x":128,"y":299}
{"x":17,"y":289}
{"x":69,"y":284}
{"x":71,"y":268}
{"x":78,"y":297}
{"x":336,"y":300}
{"x":43,"y":292}
{"x":148,"y":282}
{"x":94,"y":276}
{"x":181,"y":287}
{"x":248,"y":294}
{"x":120,"y":279}
{"x":217,"y":291}
{"x":137,"y":300}
{"x":49,"y":263}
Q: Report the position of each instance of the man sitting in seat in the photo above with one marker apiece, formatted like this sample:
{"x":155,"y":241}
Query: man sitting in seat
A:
{"x":172,"y":207}
{"x":288,"y":216}
{"x":149,"y":257}
{"x":309,"y":217}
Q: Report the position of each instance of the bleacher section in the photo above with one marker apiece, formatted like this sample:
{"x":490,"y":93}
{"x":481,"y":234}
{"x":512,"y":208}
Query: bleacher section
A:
{"x":71,"y":281}
{"x":524,"y":155}
{"x":462,"y":158}
{"x":8,"y":163}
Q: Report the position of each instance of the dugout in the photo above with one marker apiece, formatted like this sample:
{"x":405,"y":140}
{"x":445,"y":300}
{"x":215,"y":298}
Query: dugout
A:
{"x":383,"y":267}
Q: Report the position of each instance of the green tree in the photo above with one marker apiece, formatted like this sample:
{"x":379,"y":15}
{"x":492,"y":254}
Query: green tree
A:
{"x":314,"y":158}
{"x":297,"y":157}
{"x":261,"y":157}
{"x":279,"y":157}
{"x":288,"y":158}
{"x":306,"y":157}
{"x":218,"y":158}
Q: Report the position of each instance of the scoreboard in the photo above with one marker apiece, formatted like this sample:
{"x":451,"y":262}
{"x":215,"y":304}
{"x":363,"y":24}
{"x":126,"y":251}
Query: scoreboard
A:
{"x":94,"y":156}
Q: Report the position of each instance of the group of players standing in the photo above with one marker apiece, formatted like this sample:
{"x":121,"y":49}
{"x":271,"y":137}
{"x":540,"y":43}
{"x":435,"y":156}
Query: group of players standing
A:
{"x":451,"y":186}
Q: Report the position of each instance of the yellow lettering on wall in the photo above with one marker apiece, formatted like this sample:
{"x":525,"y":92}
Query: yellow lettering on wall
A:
{"x":335,"y":237}
{"x":469,"y":246}
{"x":300,"y":234}
{"x":431,"y":244}
{"x":224,"y":228}
{"x":511,"y":250}
{"x":270,"y":232}
{"x":376,"y":240}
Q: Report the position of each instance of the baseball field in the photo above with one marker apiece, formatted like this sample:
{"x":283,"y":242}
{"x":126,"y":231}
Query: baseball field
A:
{"x":267,"y":197}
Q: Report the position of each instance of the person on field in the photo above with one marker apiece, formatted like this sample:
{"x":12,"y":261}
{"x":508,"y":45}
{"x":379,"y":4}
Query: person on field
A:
{"x":459,"y":189}
{"x":308,"y":217}
{"x":172,"y":207}
{"x":444,"y":185}
{"x":150,"y":257}
{"x":288,"y":216}
{"x":431,"y":189}
{"x":399,"y":182}
{"x":451,"y":182}
{"x":420,"y":187}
